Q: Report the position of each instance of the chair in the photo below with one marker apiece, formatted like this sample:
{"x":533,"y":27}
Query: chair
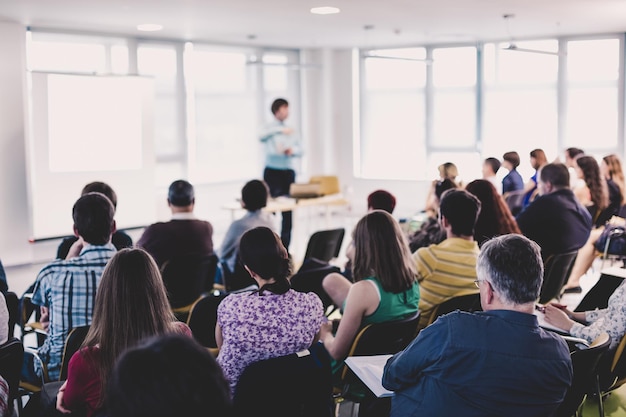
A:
{"x":556,"y":272}
{"x":375,"y":339}
{"x":309,"y":279}
{"x":585,"y":381}
{"x":238,"y":279}
{"x":515,"y":200}
{"x":598,"y":295}
{"x":11,"y":358}
{"x":296,"y":385}
{"x":186,"y":278}
{"x":470,"y":302}
{"x":27,"y":326}
{"x":202,"y":319}
{"x":613,"y":374}
{"x":325,"y":245}
{"x":13,"y":303}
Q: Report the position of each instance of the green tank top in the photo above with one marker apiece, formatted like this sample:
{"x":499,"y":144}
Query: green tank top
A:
{"x":393,"y":306}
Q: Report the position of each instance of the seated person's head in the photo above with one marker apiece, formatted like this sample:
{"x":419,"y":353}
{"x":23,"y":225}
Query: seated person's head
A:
{"x":254,"y":195}
{"x":93,"y":218}
{"x":552,"y":177}
{"x":169,"y":376}
{"x":264,"y":256}
{"x":443,"y":186}
{"x":571,"y":154}
{"x":459,"y":211}
{"x":490,"y":167}
{"x":448,"y":171}
{"x":181,"y":195}
{"x":280,"y":109}
{"x":381,"y":200}
{"x":102,"y":188}
{"x":509,"y":268}
{"x":510,"y":160}
{"x":381,"y":250}
{"x":538,"y":158}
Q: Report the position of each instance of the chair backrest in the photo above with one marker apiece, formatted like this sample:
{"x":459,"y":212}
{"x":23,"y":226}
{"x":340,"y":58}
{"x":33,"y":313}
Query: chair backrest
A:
{"x":73,"y":342}
{"x":310,"y":280}
{"x":325,"y":245}
{"x":613,"y":373}
{"x":469,"y":302}
{"x":237,"y":279}
{"x":598,"y":295}
{"x":296,"y":385}
{"x":585,"y":364}
{"x":202,"y":319}
{"x":13,"y":303}
{"x":515,"y":200}
{"x":11,"y":358}
{"x":187,"y":277}
{"x":556,"y":272}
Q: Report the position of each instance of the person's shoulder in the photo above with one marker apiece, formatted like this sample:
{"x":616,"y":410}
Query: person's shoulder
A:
{"x":308,"y":297}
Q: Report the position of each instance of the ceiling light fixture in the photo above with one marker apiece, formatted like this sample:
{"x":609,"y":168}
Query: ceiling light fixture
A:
{"x":325,"y":10}
{"x":149,"y":27}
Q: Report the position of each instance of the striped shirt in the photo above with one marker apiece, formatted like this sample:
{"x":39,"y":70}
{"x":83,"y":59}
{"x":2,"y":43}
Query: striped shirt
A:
{"x":445,"y":271}
{"x":68,"y":289}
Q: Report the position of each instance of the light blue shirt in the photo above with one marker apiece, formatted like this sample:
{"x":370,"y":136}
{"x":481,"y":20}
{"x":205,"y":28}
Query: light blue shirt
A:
{"x":230,"y":246}
{"x":276,"y":143}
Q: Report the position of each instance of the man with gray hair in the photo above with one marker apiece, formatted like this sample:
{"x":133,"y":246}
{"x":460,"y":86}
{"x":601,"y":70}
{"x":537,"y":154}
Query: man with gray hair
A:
{"x":498,"y":362}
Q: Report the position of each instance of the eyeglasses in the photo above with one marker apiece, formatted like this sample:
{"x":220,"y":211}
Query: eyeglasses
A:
{"x":478,"y":281}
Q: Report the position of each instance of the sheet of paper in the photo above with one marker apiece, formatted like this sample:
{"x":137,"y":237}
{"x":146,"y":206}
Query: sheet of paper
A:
{"x":541,"y":319}
{"x":369,"y":369}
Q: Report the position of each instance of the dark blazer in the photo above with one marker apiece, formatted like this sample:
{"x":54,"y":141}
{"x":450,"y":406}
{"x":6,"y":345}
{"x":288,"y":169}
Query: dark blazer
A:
{"x":557,"y":222}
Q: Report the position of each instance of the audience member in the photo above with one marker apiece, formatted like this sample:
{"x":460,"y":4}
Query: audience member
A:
{"x":131,"y":305}
{"x":594,"y":193}
{"x":555,"y":219}
{"x":590,"y":324}
{"x":184,"y":234}
{"x":281,"y":147}
{"x":66,"y":289}
{"x":430,"y":231}
{"x":273,"y":321}
{"x":495,"y":218}
{"x":169,"y":376}
{"x":537,"y":160}
{"x":490,"y":169}
{"x":381,"y":200}
{"x":494,"y":363}
{"x":253,"y":199}
{"x":119,"y":239}
{"x":513,"y":180}
{"x":571,"y":154}
{"x":385,"y":287}
{"x":447,"y":171}
{"x":448,"y":270}
{"x":611,"y":169}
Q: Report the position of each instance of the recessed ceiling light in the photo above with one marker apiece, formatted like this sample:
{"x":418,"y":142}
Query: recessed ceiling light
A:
{"x":325,"y":10}
{"x":149,"y":27}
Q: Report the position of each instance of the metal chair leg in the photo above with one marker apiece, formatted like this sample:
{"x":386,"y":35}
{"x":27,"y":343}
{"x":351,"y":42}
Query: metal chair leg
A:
{"x":599,"y":395}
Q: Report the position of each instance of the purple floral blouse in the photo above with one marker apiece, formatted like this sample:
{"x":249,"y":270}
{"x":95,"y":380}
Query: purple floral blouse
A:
{"x":257,"y":327}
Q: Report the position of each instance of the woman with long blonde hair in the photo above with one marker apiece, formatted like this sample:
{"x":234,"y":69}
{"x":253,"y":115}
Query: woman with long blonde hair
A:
{"x":611,"y":168}
{"x":131,"y":306}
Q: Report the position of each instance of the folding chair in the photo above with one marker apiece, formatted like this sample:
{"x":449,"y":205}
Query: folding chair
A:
{"x":203,"y":318}
{"x":470,"y":303}
{"x":556,"y":272}
{"x":325,"y":245}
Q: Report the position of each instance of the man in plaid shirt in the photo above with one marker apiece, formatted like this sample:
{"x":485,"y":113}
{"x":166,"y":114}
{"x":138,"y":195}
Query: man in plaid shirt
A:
{"x":66,"y":289}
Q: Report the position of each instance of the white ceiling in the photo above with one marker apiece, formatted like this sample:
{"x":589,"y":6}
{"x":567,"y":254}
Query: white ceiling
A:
{"x":288,"y":23}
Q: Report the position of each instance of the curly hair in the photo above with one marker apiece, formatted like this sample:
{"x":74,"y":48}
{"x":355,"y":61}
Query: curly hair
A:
{"x":596,"y":184}
{"x":495,"y":218}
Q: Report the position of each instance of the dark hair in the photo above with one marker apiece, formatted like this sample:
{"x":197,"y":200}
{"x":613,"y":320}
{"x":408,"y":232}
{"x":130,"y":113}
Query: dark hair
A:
{"x":598,"y":188}
{"x":443,"y":186}
{"x":512,"y":158}
{"x":102,"y":188}
{"x":540,"y":158}
{"x":381,"y":250}
{"x":461,"y":209}
{"x":495,"y":218}
{"x":263,"y":253}
{"x":181,"y":194}
{"x":278,"y":103}
{"x":493,"y":163}
{"x":93,"y":218}
{"x":574,"y":152}
{"x":168,"y":376}
{"x":513,"y":266}
{"x":381,"y":200}
{"x":254,"y":195}
{"x":556,"y":174}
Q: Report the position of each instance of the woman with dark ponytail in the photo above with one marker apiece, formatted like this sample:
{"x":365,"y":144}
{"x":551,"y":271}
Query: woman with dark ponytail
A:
{"x":273,"y":321}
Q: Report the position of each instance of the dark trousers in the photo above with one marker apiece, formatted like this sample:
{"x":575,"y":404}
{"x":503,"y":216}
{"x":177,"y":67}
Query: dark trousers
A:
{"x":279,"y":181}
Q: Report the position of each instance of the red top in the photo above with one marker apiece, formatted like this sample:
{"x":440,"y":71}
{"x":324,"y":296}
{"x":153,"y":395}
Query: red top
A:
{"x":82,"y":392}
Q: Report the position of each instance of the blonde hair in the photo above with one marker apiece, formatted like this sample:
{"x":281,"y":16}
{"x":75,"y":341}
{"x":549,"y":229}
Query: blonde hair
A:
{"x":616,"y":173}
{"x":382,"y":251}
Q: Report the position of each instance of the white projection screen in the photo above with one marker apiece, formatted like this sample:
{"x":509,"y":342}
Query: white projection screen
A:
{"x":88,"y":128}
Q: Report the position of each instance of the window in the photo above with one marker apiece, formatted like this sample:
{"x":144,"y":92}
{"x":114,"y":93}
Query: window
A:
{"x":393,"y":114}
